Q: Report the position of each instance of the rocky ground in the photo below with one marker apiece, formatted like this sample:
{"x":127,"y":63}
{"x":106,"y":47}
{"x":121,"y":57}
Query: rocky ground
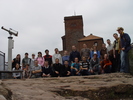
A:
{"x":117,"y":86}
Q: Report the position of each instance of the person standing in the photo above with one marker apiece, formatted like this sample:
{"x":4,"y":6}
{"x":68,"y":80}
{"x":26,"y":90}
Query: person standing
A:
{"x":74,"y":54}
{"x":65,"y":57}
{"x":85,"y":52}
{"x":16,"y":60}
{"x":110,"y":53}
{"x":95,"y":51}
{"x":32,"y":62}
{"x":57,"y":55}
{"x":103,"y":51}
{"x":40,"y":59}
{"x":125,"y":47}
{"x":116,"y":52}
{"x":26,"y":60}
{"x":48,"y":57}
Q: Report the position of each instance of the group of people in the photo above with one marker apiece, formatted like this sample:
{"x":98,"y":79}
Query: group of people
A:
{"x":113,"y":58}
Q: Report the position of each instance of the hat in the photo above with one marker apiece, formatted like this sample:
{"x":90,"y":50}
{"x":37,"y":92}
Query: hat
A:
{"x":120,"y":28}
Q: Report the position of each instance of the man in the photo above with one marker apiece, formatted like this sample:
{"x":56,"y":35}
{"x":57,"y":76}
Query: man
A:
{"x":32,"y":62}
{"x":65,"y":57}
{"x":110,"y":53}
{"x":48,"y":57}
{"x":25,"y":61}
{"x":125,"y":47}
{"x":46,"y":70}
{"x":85,"y":52}
{"x":74,"y":54}
{"x":103,"y":51}
{"x":95,"y":64}
{"x":116,"y":52}
{"x":75,"y":67}
{"x":57,"y":55}
{"x":37,"y":70}
{"x":56,"y":68}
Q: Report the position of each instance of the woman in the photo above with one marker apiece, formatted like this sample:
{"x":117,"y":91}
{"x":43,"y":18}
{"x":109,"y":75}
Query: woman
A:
{"x":16,"y":68}
{"x":40,"y":59}
{"x":16,"y":60}
{"x":95,"y":51}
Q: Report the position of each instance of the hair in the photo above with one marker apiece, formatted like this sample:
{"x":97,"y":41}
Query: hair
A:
{"x":46,"y":50}
{"x":16,"y":64}
{"x":40,"y":53}
{"x":19,"y":57}
{"x":108,"y":39}
{"x":26,"y":53}
{"x":115,"y":34}
{"x":27,"y":65}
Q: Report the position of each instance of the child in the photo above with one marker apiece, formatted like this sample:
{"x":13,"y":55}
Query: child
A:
{"x":26,"y":71}
{"x":16,"y":75}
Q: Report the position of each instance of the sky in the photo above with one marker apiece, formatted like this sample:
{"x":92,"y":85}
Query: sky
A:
{"x":40,"y":23}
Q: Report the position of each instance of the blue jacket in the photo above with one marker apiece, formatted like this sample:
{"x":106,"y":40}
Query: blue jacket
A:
{"x":92,"y":52}
{"x":126,"y":42}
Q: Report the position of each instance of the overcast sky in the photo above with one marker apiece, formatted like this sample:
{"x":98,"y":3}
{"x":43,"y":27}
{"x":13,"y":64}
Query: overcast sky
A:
{"x":40,"y":23}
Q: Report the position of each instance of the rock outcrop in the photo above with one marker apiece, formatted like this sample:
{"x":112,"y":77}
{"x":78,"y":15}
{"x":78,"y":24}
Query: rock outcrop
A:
{"x":114,"y":86}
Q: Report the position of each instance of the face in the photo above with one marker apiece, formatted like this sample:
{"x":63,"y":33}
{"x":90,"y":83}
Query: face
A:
{"x":95,"y":56}
{"x":76,"y":60}
{"x":73,"y":48}
{"x":27,"y":66}
{"x":115,"y":36}
{"x":36,"y":62}
{"x":18,"y":56}
{"x":84,"y":46}
{"x":46,"y":63}
{"x":108,"y":41}
{"x":47,"y":52}
{"x":83,"y":59}
{"x":57,"y":61}
{"x":94,"y":47}
{"x":65,"y":52}
{"x":105,"y":56}
{"x":66,"y":63}
{"x":103,"y":45}
{"x":56,"y":50}
{"x":33,"y":56}
{"x":17,"y":66}
{"x":39,"y":54}
{"x":120,"y":31}
{"x":26,"y":55}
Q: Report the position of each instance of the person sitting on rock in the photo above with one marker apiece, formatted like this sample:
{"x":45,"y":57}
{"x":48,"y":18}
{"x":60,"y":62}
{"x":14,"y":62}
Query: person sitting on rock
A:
{"x":84,"y":66}
{"x":65,"y":70}
{"x":106,"y":64}
{"x":95,"y":64}
{"x":37,"y":70}
{"x":46,"y":70}
{"x":56,"y":68}
{"x":26,"y":71}
{"x":75,"y":67}
{"x":16,"y":75}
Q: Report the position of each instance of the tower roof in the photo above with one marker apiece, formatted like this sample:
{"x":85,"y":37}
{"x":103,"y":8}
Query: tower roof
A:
{"x":73,"y":17}
{"x":90,"y":37}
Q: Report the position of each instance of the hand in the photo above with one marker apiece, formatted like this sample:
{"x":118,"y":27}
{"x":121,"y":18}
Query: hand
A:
{"x":56,"y":72}
{"x":33,"y":72}
{"x":44,"y":74}
{"x":114,"y":56}
{"x":86,"y":68}
{"x":77,"y":72}
{"x":76,"y":69}
{"x":68,"y":73}
{"x":102,"y":71}
{"x":104,"y":66}
{"x":91,"y":71}
{"x":123,"y":48}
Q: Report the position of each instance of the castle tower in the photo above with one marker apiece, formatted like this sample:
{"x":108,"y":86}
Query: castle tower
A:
{"x":73,"y":31}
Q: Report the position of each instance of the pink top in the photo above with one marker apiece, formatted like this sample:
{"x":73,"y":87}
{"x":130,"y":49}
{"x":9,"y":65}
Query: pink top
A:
{"x":40,"y":61}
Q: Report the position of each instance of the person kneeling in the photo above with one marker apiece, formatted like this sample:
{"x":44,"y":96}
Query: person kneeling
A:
{"x":65,"y":70}
{"x":16,"y":75}
{"x":37,"y":70}
{"x":46,"y":70}
{"x":26,"y":71}
{"x":56,"y":69}
{"x":75,"y":68}
{"x":84,"y":66}
{"x":106,"y":65}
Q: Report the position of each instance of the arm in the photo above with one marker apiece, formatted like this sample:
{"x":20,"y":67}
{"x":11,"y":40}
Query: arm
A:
{"x":60,"y":59}
{"x":109,"y":63}
{"x":53,"y":59}
{"x":127,"y":41}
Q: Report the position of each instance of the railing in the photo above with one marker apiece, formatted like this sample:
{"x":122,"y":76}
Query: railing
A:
{"x":2,"y":60}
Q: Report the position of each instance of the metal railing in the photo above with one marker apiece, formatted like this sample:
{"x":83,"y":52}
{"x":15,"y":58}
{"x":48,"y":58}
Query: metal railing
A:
{"x":2,"y":60}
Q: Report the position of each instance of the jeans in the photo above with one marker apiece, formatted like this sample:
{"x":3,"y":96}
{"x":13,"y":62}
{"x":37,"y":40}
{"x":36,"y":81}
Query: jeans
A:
{"x":124,"y":62}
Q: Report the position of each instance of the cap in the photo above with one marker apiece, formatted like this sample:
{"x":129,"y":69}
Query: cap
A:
{"x":120,"y":28}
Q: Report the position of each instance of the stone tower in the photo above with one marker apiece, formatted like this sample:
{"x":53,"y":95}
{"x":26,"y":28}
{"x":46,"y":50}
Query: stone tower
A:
{"x":73,"y":31}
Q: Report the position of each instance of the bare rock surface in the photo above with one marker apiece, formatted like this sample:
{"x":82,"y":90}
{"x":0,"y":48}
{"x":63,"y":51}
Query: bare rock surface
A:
{"x":115,"y":86}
